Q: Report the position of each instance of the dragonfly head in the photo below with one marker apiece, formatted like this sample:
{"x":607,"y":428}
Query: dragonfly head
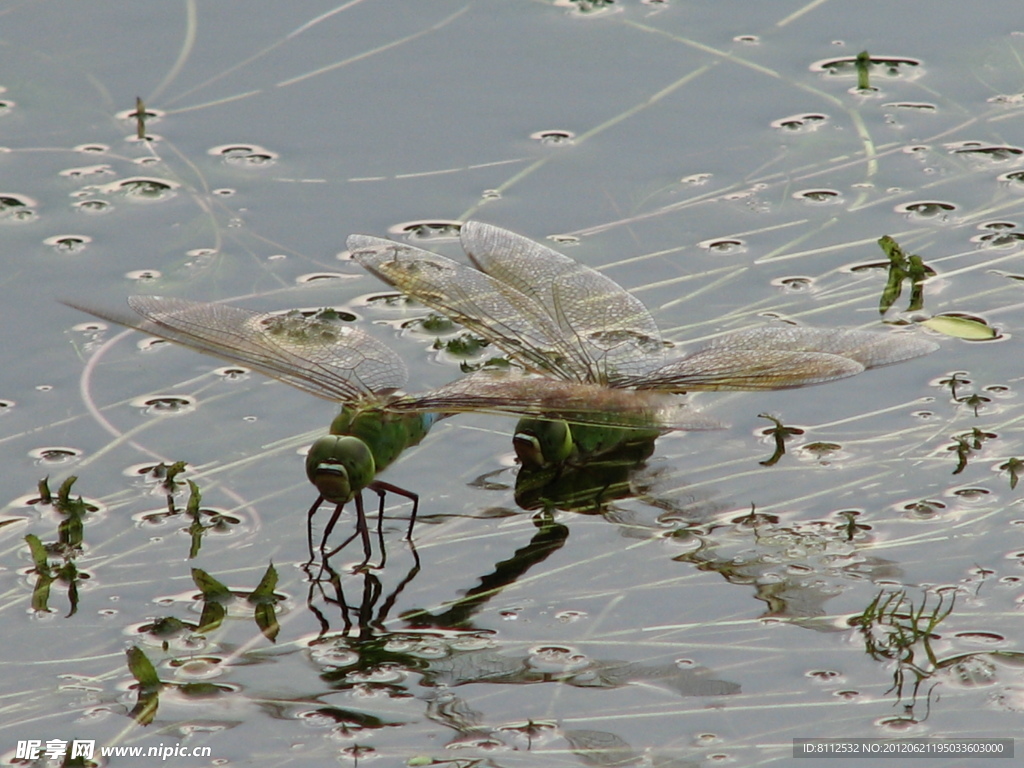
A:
{"x":340,"y":466}
{"x":541,"y":443}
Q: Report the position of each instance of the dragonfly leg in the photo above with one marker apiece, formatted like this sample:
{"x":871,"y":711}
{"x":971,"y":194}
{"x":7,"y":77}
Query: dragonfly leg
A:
{"x":361,"y":530}
{"x":364,"y":531}
{"x":381,"y":493}
{"x":380,"y":486}
{"x":309,"y":525}
{"x":330,"y":527}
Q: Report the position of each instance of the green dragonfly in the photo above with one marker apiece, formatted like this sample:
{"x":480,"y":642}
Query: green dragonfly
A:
{"x":318,"y":354}
{"x":561,"y":319}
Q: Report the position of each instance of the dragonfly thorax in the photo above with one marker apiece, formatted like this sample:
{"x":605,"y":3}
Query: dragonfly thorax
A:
{"x":386,"y":434}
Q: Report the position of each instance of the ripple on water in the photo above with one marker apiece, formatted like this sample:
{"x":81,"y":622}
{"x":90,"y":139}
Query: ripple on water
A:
{"x":986,"y":154}
{"x":927,"y":210}
{"x":427,"y":229}
{"x":165,"y":405}
{"x":54,"y":455}
{"x":888,"y":67}
{"x":17,"y":209}
{"x":805,"y":122}
{"x":554,"y":137}
{"x":724,"y":246}
{"x":244,"y":155}
{"x":818,"y":196}
{"x":66,"y":244}
{"x":999,"y":234}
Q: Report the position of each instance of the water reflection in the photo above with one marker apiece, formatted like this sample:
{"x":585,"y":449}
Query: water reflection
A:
{"x":430,"y":655}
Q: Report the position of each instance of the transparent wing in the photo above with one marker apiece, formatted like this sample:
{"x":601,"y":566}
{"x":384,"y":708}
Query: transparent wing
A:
{"x":870,"y":349}
{"x":576,"y":402}
{"x":327,"y":359}
{"x":611,"y":331}
{"x":498,"y":312}
{"x":781,"y":357}
{"x":746,"y":369}
{"x":558,"y":317}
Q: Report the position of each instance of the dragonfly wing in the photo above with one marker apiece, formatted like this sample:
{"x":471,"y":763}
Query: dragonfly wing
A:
{"x":610,"y":328}
{"x":498,"y":312}
{"x":781,"y":357}
{"x":327,"y":359}
{"x":576,"y":402}
{"x":868,"y":348}
{"x":746,"y":369}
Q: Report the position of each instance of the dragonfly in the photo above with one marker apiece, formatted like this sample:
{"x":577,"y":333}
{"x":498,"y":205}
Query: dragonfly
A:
{"x":318,"y":354}
{"x":561,"y":319}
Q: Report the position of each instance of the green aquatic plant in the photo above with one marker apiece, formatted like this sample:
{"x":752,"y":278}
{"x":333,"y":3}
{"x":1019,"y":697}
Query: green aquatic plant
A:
{"x":779,"y":434}
{"x":895,"y":629}
{"x":863,"y":64}
{"x":903,"y":268}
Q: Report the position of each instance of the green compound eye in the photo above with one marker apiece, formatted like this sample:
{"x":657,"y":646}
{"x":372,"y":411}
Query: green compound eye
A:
{"x":340,"y":466}
{"x":542,"y":443}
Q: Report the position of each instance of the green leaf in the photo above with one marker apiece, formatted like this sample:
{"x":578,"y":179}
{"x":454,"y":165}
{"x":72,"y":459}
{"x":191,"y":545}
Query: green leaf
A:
{"x":166,"y":626}
{"x":903,"y":267}
{"x":171,"y":472}
{"x":215,"y":595}
{"x":893,"y":251}
{"x":194,"y":497}
{"x":264,"y":592}
{"x":39,"y":556}
{"x":195,"y":531}
{"x":41,"y":592}
{"x":965,"y":328}
{"x":144,"y":711}
{"x":891,"y":292}
{"x":1013,"y":466}
{"x":64,"y":492}
{"x":44,"y":491}
{"x":266,"y":620}
{"x":69,"y":574}
{"x":212,"y":616}
{"x":71,"y":530}
{"x":213,"y":590}
{"x":142,"y":669}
